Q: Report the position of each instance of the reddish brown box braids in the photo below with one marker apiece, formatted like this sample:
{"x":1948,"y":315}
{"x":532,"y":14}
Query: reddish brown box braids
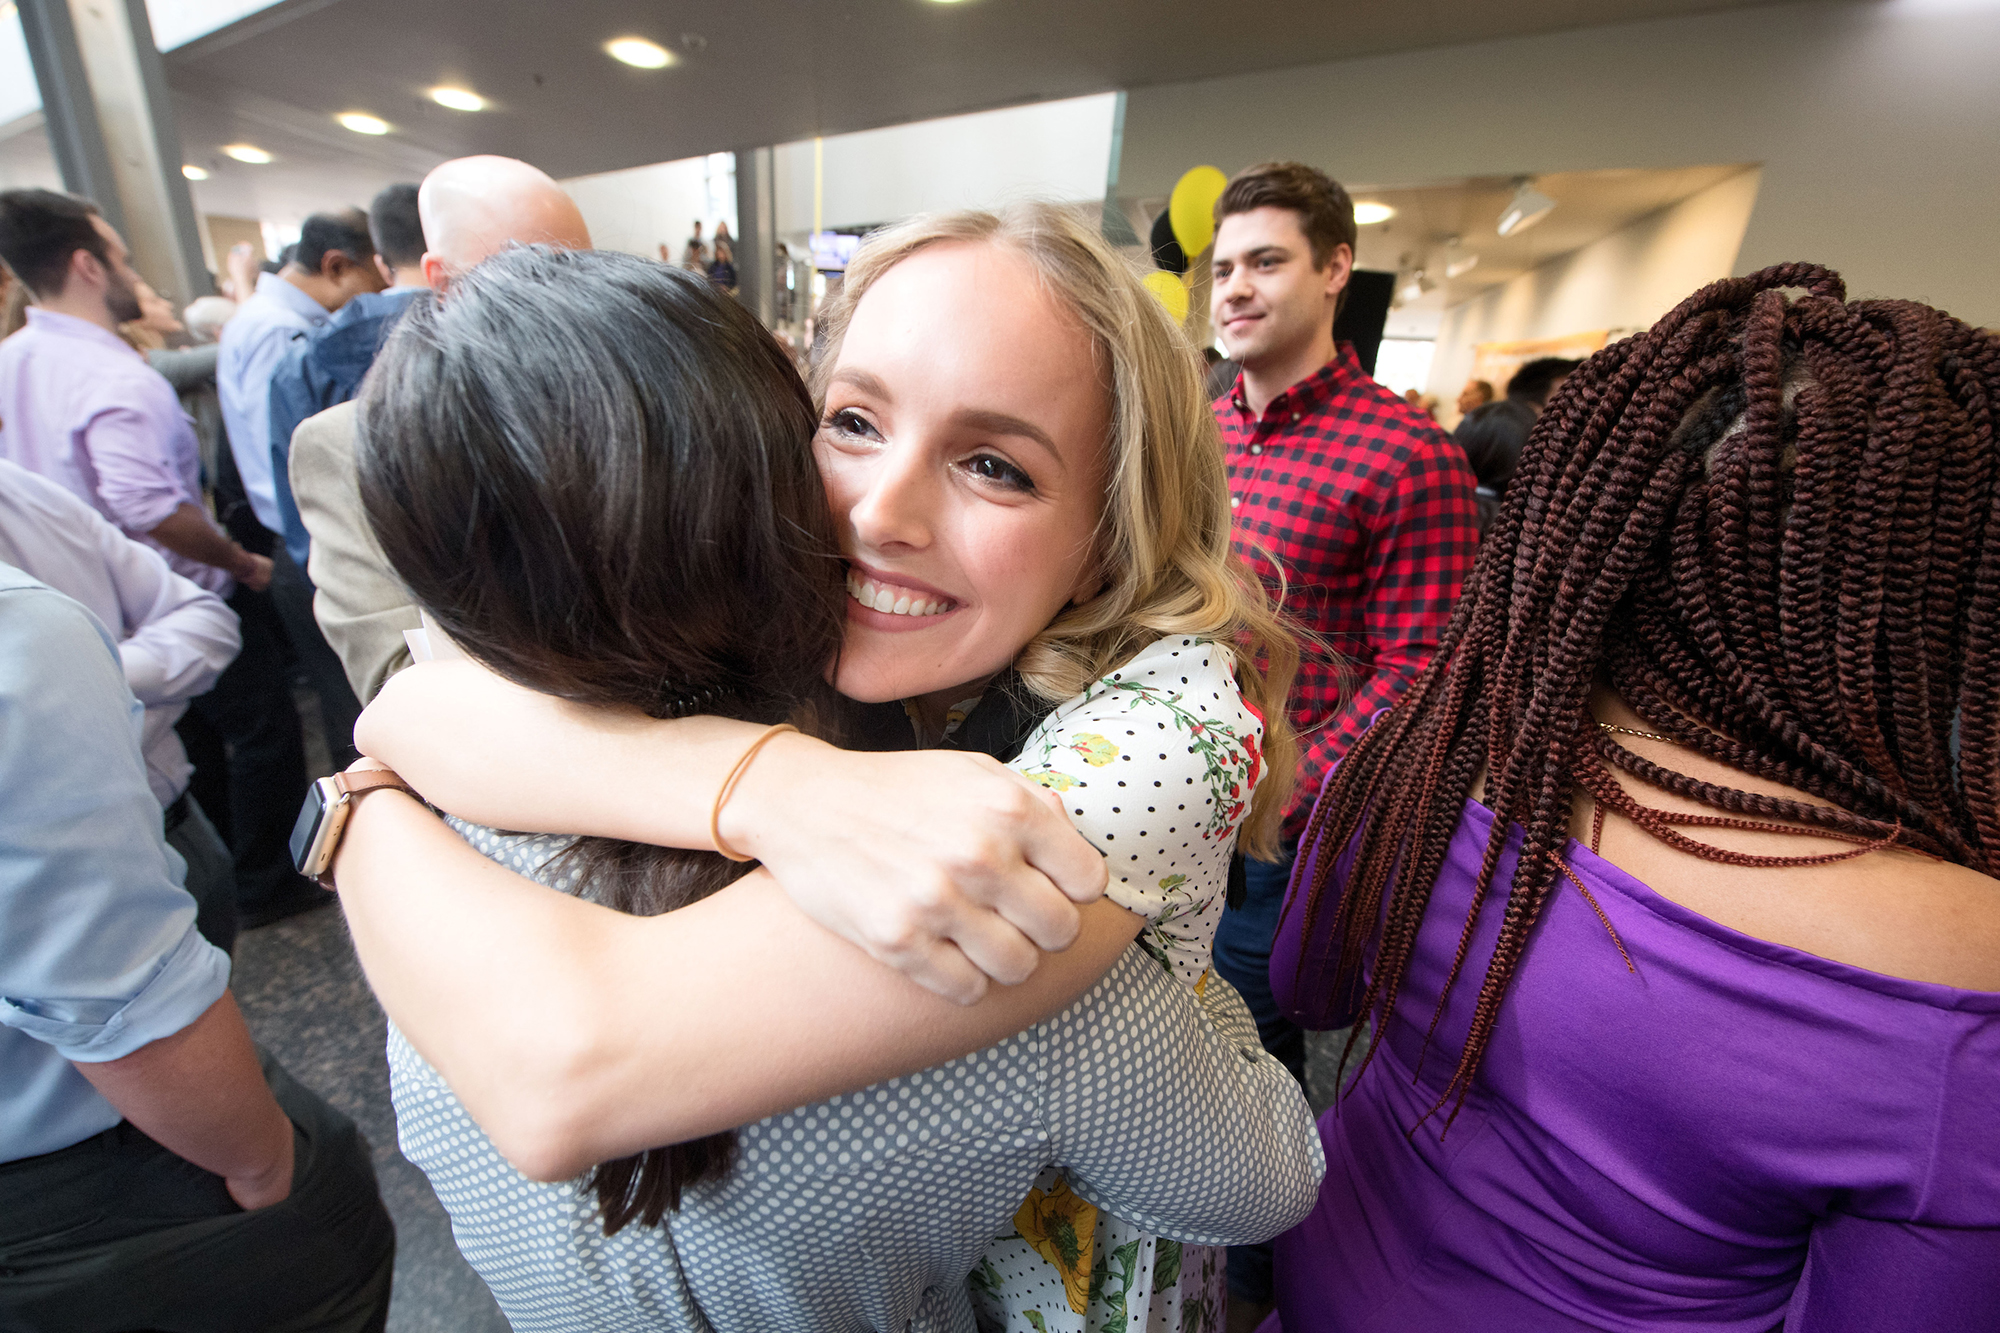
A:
{"x":1774,"y":528}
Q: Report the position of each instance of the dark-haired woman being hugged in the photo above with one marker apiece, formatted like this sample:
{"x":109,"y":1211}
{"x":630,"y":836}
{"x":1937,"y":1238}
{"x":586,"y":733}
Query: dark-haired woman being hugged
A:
{"x":614,"y":504}
{"x":1669,"y":888}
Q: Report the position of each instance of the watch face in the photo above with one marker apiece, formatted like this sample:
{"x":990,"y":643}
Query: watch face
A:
{"x":316,"y":833}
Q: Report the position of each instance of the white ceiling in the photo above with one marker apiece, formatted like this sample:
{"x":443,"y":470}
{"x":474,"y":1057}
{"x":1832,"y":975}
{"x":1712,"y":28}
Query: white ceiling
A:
{"x":748,"y":73}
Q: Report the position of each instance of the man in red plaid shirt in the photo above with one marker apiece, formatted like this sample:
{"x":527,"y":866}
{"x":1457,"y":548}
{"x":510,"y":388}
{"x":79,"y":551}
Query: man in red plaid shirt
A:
{"x":1359,"y":501}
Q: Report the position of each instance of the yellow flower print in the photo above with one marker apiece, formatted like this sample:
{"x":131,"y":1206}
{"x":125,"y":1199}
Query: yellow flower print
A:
{"x":1059,"y":1226}
{"x":1053,"y":780}
{"x":1094,"y":749}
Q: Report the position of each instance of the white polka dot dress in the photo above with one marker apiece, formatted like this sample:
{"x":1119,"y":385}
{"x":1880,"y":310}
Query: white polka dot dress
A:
{"x":1155,"y":764}
{"x":1141,"y":1110}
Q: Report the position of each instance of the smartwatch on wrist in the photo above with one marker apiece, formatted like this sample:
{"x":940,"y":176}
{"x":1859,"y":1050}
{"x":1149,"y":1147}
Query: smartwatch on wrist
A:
{"x":323,"y":817}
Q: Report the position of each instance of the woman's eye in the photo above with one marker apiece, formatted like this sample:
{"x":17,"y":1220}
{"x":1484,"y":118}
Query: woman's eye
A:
{"x":849,"y":422}
{"x":993,"y":468}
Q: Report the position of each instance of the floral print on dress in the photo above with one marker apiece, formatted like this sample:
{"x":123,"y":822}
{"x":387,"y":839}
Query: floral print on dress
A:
{"x":1155,"y":764}
{"x":1060,"y":1226}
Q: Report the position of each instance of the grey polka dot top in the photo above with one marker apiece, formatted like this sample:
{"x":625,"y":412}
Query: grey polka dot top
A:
{"x":1146,"y":1099}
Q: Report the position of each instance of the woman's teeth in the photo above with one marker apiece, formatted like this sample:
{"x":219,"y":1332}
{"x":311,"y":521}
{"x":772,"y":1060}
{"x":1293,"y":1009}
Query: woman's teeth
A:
{"x":895,"y":601}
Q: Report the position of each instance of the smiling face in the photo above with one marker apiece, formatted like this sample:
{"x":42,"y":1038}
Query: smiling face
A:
{"x":1269,"y":301}
{"x":963,"y":444}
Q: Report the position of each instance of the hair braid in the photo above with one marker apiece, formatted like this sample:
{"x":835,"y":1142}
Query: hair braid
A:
{"x":1773,"y":526}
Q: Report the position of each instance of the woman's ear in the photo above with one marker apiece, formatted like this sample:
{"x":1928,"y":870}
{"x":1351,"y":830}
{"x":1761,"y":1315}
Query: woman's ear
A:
{"x":1090,"y":585}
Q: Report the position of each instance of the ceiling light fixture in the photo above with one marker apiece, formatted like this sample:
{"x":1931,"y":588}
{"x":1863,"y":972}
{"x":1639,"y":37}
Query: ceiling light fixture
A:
{"x":639,"y":53}
{"x":193,"y":172}
{"x":248,"y":152}
{"x":1525,"y":209}
{"x":363,"y":123}
{"x":458,"y":99}
{"x":1368,"y":214}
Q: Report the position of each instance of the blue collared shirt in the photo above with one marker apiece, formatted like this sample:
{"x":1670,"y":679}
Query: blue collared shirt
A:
{"x":317,"y":372}
{"x":253,"y":342}
{"x":99,"y":955}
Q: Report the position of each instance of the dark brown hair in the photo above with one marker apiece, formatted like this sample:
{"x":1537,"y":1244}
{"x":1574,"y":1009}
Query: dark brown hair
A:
{"x":1326,"y":214}
{"x":40,"y":230}
{"x":1774,"y":528}
{"x":595,"y":473}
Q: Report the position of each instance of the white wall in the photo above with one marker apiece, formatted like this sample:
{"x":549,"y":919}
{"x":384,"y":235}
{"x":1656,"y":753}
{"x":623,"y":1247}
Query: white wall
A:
{"x":1054,"y":150}
{"x":1877,"y":124}
{"x":1621,"y":282}
{"x":636,"y":209}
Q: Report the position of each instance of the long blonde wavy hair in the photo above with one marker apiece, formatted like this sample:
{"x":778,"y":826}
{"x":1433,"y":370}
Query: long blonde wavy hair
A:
{"x":1163,"y":540}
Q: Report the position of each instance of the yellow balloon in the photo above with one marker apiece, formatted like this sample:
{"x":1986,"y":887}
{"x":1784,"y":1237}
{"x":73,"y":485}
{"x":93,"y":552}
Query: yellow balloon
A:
{"x":1192,"y":209}
{"x":1172,"y":292}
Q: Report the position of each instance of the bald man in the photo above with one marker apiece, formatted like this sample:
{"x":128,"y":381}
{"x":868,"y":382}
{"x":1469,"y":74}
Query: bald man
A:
{"x":471,"y":207}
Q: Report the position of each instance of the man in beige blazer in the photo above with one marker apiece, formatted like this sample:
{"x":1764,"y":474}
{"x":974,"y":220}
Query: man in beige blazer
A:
{"x":471,"y":208}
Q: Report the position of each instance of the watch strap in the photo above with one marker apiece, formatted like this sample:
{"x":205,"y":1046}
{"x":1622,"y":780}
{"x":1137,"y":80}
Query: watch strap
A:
{"x":354,"y":782}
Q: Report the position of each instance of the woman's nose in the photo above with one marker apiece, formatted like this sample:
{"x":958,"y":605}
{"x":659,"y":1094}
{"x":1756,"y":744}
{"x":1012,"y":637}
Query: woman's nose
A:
{"x":898,"y":504}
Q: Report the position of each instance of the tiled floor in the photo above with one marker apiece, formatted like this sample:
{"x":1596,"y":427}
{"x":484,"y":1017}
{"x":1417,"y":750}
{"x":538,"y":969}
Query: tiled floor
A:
{"x":303,"y":994}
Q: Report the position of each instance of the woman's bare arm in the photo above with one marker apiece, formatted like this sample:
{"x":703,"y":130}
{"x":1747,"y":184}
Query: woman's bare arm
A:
{"x":575,"y":1034}
{"x":950,"y":867}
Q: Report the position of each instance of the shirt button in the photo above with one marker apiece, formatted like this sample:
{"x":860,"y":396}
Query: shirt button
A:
{"x":1256,"y":448}
{"x":1295,"y":416}
{"x":1235,"y":500}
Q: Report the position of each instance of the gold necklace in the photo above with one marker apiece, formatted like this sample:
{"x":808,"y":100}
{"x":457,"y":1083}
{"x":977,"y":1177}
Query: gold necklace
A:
{"x":1643,"y":735}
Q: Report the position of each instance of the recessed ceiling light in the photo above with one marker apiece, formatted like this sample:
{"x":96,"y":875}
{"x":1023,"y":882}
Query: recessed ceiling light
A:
{"x":458,"y":99}
{"x":363,"y":123}
{"x":247,"y":152}
{"x":639,"y":52}
{"x":1367,"y":215}
{"x":193,"y":172}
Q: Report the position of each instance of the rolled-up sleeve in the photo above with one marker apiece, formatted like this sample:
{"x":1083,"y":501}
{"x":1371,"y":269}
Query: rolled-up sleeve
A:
{"x":136,"y":480}
{"x":98,"y":951}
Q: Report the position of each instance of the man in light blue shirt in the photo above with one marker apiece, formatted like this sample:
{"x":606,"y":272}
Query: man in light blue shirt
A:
{"x":333,"y":264}
{"x":174,"y":638}
{"x":152,"y":1174}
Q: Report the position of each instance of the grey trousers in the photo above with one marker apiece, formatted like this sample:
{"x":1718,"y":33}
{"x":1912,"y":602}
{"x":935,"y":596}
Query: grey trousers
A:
{"x":118,"y":1235}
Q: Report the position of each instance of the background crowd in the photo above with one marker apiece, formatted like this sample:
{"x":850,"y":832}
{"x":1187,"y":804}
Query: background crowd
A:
{"x":196,"y":481}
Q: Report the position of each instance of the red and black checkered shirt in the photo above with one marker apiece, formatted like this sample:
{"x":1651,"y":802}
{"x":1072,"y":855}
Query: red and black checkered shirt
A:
{"x":1368,"y":507}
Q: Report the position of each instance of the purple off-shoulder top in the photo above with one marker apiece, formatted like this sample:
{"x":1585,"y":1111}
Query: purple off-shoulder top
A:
{"x":1735,"y":1136}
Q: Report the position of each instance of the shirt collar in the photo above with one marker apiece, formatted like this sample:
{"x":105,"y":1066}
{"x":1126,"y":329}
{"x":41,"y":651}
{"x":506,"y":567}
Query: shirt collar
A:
{"x":60,"y":325}
{"x":274,"y":288}
{"x":1310,"y":393}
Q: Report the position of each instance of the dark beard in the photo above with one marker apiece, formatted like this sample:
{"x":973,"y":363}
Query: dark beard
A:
{"x":122,"y":299}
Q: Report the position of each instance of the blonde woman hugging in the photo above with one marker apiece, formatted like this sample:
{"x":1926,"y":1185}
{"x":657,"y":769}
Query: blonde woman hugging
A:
{"x":1040,"y":608}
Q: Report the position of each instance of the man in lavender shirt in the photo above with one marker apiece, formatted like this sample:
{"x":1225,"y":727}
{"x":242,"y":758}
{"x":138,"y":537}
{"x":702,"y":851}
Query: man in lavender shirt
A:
{"x":85,"y":411}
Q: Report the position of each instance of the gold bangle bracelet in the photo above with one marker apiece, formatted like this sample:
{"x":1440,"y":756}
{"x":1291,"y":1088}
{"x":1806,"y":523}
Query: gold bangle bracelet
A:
{"x":728,"y":789}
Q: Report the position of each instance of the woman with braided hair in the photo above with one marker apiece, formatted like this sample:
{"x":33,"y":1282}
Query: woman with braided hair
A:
{"x":1668,"y":889}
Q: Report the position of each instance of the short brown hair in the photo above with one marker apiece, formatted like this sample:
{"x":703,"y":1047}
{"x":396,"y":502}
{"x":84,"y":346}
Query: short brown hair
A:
{"x":1326,"y":214}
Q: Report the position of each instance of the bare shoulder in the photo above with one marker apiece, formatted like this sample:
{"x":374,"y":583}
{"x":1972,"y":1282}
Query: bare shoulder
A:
{"x":1890,"y":911}
{"x":1924,"y":919}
